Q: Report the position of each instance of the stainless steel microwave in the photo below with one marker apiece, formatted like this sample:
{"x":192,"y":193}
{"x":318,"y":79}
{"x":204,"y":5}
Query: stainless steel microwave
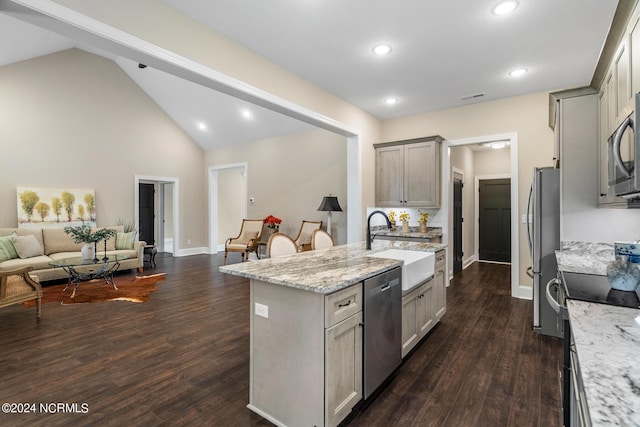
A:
{"x":623,"y":156}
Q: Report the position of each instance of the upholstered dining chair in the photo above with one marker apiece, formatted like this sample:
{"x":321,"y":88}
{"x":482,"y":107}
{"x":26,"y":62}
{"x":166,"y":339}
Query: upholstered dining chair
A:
{"x":18,"y":286}
{"x":247,"y":240}
{"x":303,"y":240}
{"x":280,"y":244}
{"x":320,"y":239}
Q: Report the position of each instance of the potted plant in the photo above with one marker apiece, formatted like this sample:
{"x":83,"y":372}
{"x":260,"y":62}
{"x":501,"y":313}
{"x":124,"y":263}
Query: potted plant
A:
{"x":404,"y":217}
{"x":392,"y":219}
{"x":422,"y":222}
{"x":84,"y":234}
{"x":272,"y":222}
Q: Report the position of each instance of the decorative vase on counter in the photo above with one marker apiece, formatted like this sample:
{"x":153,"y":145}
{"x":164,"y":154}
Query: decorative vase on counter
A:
{"x":405,"y":226}
{"x":423,"y":227}
{"x":622,"y":274}
{"x":88,"y":251}
{"x":393,"y":225}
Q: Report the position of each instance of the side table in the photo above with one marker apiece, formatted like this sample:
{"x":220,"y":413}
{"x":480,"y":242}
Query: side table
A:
{"x":149,"y":255}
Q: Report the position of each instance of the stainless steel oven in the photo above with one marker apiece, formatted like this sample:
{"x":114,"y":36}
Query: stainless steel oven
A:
{"x":623,"y":156}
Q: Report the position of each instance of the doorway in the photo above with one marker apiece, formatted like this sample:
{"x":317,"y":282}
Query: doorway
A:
{"x":494,"y":220}
{"x":458,"y":253}
{"x":146,"y":215}
{"x":228,"y":202}
{"x":156,"y":212}
{"x":517,"y":290}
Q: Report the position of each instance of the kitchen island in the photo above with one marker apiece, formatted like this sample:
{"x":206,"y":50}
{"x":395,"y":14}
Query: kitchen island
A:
{"x":306,"y":324}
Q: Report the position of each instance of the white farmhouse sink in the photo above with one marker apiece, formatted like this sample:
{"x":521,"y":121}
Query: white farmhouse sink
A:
{"x":418,"y":266}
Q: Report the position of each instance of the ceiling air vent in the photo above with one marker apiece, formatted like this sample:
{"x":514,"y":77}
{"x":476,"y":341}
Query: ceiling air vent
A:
{"x":468,"y":97}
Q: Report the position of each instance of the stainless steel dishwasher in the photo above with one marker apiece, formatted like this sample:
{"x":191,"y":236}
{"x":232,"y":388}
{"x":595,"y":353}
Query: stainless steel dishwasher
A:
{"x":382,"y":328}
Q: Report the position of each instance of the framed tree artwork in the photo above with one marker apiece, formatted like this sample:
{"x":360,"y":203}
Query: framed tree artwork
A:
{"x":55,"y":208}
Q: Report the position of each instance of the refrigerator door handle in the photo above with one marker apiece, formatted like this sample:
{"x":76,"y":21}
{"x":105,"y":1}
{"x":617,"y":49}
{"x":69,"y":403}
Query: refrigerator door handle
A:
{"x":529,"y":222}
{"x":552,"y":301}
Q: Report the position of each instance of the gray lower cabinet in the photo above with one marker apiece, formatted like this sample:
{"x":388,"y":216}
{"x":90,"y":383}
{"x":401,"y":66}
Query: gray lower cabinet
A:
{"x":343,"y":387}
{"x":417,"y":315}
{"x":305,"y":354}
{"x":408,"y":173}
{"x":424,"y":306}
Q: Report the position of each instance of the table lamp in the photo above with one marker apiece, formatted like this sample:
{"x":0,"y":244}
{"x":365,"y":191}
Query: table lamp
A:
{"x":330,"y":204}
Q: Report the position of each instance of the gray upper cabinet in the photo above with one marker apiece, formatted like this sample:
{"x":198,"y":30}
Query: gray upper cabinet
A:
{"x":616,"y":102}
{"x":408,"y":173}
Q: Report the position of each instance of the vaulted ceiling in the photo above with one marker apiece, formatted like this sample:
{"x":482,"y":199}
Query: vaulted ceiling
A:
{"x":443,"y":54}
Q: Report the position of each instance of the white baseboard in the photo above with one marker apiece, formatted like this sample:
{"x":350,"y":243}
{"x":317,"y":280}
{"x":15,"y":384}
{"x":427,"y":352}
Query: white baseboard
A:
{"x":466,"y":263}
{"x":192,"y":251}
{"x":525,"y":292}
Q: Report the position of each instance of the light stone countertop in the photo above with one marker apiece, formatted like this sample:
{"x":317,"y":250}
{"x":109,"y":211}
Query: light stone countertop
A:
{"x":327,"y":270}
{"x":607,"y":340}
{"x":585,"y":257}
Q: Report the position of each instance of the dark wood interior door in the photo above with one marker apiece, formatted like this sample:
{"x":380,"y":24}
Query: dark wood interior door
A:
{"x":495,"y":220}
{"x":457,"y":225}
{"x":146,"y":209}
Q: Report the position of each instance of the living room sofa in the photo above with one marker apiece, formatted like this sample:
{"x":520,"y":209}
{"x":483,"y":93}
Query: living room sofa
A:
{"x":55,"y":245}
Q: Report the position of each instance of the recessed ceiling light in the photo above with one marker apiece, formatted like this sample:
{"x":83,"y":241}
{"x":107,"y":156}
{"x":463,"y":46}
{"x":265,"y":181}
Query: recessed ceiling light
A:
{"x":381,"y":49}
{"x":517,"y":72}
{"x":202,"y":126}
{"x":391,"y":101}
{"x":247,"y":114}
{"x":505,"y":7}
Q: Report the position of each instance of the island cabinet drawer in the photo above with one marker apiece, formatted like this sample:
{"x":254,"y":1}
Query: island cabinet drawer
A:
{"x":342,"y":304}
{"x":440,"y":258}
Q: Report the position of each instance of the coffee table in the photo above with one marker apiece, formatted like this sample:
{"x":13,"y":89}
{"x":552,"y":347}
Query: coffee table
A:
{"x":97,"y":268}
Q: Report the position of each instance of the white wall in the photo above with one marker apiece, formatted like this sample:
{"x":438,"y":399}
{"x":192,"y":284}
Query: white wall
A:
{"x":289,"y":175}
{"x":232,"y":202}
{"x":74,"y":119}
{"x":492,"y":162}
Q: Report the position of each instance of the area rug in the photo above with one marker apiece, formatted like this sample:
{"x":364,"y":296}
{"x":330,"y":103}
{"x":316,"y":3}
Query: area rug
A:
{"x":130,"y":288}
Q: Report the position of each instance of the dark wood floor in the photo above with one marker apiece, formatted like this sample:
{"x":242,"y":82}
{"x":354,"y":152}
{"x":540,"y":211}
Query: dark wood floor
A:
{"x":182,"y":358}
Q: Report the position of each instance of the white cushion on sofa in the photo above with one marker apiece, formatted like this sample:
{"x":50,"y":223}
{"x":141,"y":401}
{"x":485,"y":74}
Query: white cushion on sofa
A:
{"x":38,"y":263}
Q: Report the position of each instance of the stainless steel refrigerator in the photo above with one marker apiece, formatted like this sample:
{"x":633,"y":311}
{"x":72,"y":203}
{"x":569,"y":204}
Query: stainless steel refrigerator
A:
{"x":543,"y":214}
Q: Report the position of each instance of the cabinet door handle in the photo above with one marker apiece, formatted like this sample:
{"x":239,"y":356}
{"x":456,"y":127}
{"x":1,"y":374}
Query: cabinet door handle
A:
{"x":345,"y":305}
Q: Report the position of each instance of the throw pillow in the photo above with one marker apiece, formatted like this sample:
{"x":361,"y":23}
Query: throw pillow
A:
{"x":125,"y":240}
{"x":7,"y":250}
{"x":27,"y":246}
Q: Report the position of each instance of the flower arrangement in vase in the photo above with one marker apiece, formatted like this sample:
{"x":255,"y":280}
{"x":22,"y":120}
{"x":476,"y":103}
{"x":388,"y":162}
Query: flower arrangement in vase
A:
{"x":404,"y":217}
{"x":422,"y":222}
{"x":272,"y":222}
{"x":392,"y":219}
{"x":84,"y":234}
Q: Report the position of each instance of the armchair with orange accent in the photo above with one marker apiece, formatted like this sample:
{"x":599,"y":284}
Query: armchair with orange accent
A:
{"x":247,"y":240}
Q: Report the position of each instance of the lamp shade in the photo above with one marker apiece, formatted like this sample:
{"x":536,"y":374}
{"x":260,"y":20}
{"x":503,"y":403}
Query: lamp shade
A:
{"x":330,"y":204}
